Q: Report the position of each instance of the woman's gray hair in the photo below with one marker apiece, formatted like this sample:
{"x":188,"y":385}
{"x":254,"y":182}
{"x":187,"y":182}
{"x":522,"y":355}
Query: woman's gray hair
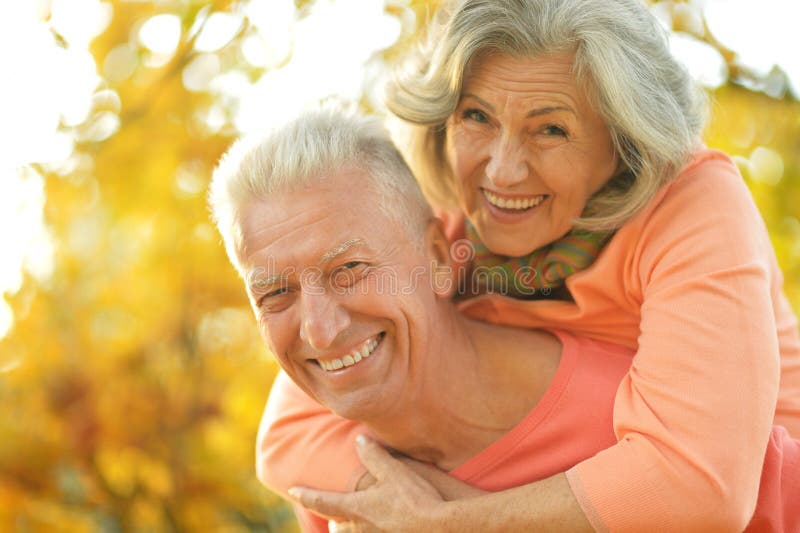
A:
{"x":298,"y":153}
{"x":654,"y":111}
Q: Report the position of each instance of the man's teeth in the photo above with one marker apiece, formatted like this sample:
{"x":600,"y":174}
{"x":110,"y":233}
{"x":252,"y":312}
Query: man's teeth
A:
{"x":352,"y":358}
{"x":514,"y":203}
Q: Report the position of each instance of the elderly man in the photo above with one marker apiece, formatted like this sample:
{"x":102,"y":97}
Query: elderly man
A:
{"x":351,"y":279}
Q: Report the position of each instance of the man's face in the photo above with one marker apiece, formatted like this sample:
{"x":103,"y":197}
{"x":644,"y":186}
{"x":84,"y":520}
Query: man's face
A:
{"x":342,"y":295}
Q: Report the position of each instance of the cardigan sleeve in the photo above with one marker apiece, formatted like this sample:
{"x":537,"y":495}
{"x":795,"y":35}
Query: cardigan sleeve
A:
{"x":693,"y":415}
{"x":301,"y":443}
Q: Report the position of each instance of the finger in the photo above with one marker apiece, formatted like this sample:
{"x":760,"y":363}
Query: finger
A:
{"x":448,"y":487}
{"x":375,"y":458}
{"x":350,"y":527}
{"x":329,"y":504}
{"x":343,"y":527}
{"x":366,"y":481}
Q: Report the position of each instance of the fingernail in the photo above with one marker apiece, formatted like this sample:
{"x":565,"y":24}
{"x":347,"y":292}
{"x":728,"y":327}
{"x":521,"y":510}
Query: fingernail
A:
{"x":361,"y":440}
{"x":294,"y":492}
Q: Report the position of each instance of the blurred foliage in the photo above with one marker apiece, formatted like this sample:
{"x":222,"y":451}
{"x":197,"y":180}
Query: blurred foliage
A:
{"x":763,"y":136}
{"x":134,"y":379}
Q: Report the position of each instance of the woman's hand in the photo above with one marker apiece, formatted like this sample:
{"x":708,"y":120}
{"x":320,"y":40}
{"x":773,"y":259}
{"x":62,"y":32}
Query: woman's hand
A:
{"x":406,"y":495}
{"x":448,"y":487}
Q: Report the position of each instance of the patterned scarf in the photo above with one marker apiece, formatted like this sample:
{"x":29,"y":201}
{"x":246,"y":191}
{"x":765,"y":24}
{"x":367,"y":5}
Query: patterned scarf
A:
{"x":538,"y":273}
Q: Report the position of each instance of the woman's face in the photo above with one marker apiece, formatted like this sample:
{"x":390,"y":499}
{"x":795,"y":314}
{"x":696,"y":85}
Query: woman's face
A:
{"x":526,"y":149}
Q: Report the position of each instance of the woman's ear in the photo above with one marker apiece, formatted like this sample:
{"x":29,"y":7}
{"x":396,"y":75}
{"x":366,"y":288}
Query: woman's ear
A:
{"x":444,"y":275}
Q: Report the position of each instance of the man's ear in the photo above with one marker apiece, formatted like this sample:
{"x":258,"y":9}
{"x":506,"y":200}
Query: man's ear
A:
{"x":443,"y":268}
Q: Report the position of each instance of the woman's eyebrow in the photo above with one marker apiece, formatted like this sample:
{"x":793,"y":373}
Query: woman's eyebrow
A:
{"x":546,"y":110}
{"x":532,"y":113}
{"x":480,"y":100}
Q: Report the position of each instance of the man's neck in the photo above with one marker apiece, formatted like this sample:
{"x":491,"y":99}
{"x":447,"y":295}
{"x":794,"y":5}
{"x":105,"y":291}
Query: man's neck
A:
{"x":478,"y":382}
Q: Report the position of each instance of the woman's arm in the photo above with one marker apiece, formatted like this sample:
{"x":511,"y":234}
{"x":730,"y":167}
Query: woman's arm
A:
{"x":694,"y":413}
{"x":301,"y":442}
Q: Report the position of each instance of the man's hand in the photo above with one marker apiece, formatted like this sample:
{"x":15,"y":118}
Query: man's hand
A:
{"x":406,"y":496}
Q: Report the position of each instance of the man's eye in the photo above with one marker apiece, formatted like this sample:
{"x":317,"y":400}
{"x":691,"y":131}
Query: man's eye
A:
{"x":348,"y":273}
{"x":350,"y":268}
{"x":475,"y":114}
{"x":272,"y":295}
{"x":350,"y":265}
{"x":276,"y":292}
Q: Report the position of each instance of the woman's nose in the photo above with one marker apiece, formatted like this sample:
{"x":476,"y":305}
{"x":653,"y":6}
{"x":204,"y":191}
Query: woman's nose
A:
{"x":508,"y":163}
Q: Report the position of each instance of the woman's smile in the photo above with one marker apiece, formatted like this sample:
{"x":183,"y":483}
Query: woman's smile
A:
{"x":512,"y":208}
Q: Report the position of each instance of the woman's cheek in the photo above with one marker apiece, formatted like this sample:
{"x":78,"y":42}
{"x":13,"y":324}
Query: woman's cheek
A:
{"x":463,"y":154}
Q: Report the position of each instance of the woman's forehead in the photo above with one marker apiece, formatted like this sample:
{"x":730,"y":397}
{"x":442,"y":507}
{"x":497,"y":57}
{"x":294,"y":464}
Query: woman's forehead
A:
{"x":546,"y":80}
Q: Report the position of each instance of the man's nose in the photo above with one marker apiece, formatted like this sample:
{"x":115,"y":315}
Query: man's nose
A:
{"x":508,"y":162}
{"x":323,"y":318}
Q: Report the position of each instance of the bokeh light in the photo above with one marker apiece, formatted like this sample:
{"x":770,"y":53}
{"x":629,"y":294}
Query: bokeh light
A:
{"x":770,"y":38}
{"x":324,"y":52}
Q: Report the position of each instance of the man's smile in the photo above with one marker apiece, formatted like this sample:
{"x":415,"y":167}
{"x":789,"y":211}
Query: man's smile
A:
{"x":362,"y":351}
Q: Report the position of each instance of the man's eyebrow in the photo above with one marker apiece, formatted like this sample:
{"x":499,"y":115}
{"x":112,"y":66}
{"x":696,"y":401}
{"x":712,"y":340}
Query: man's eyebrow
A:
{"x":532,"y":113}
{"x":340,"y":249}
{"x":259,"y":284}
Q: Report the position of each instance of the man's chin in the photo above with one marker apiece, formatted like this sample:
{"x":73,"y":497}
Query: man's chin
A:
{"x":359,"y":405}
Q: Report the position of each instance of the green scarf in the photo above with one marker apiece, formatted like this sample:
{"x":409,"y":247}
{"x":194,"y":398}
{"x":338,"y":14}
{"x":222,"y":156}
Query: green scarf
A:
{"x":538,"y":273}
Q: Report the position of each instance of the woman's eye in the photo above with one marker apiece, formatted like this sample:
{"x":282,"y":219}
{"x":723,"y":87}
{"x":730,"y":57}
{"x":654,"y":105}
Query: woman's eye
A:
{"x":475,"y":114}
{"x":554,"y":131}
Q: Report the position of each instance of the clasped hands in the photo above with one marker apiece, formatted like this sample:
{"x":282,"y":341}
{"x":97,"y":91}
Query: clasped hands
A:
{"x":397,"y":495}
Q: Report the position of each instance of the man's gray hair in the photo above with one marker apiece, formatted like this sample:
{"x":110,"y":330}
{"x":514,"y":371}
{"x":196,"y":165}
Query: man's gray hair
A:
{"x":296,"y":154}
{"x":654,"y":111}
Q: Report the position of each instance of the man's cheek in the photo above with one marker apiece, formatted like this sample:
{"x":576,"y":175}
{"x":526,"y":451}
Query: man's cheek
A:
{"x":272,"y":341}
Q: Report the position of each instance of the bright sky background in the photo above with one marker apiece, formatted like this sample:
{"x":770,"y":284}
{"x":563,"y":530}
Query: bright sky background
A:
{"x":332,"y":53}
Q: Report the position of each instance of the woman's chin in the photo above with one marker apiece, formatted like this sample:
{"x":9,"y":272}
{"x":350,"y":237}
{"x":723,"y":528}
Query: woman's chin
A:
{"x":510,"y":246}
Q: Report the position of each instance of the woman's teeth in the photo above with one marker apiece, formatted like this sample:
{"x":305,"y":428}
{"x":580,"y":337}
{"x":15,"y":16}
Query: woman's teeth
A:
{"x":514,"y":203}
{"x":350,"y":359}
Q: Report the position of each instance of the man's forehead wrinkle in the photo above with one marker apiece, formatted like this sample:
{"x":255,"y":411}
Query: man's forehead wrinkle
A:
{"x":389,"y":249}
{"x":265,"y":236}
{"x":257,"y":225}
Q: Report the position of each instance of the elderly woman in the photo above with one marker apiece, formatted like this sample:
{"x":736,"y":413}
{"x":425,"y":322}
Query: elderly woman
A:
{"x":568,"y":138}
